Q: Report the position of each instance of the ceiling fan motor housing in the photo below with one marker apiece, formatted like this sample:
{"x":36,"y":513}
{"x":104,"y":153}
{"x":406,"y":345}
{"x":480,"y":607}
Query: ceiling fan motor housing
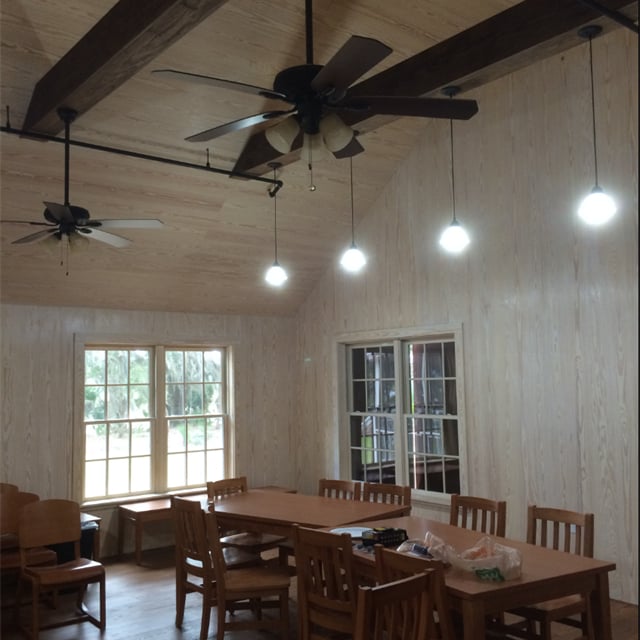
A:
{"x":295,"y":83}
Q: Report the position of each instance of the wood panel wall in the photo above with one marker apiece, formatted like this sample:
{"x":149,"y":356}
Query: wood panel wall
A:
{"x":38,"y":392}
{"x":549,"y":307}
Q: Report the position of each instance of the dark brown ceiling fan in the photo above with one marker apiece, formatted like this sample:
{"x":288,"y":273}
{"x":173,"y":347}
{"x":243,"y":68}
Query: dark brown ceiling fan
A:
{"x":65,"y":220}
{"x":318,"y":96}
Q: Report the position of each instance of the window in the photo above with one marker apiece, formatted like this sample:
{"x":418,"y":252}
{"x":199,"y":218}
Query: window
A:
{"x":155,"y":419}
{"x":404,"y":412}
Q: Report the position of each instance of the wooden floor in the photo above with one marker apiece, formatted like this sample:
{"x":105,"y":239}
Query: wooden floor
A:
{"x":141,"y":606}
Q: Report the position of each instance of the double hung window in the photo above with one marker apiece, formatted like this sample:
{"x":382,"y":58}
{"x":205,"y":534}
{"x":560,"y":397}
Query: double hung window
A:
{"x":404,"y":412}
{"x":155,"y":419}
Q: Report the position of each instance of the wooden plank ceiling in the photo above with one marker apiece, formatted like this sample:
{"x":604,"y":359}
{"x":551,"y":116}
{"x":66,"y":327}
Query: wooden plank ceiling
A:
{"x":96,"y":56}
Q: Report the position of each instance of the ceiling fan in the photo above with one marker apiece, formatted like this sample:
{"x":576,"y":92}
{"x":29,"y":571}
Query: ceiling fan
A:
{"x":64,"y":220}
{"x":318,"y":95}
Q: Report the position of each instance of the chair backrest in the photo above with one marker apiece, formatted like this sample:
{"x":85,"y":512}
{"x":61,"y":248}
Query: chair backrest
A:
{"x":327,"y":595}
{"x":191,"y":535}
{"x":395,"y":610}
{"x":479,"y":514}
{"x":387,"y":493}
{"x":47,"y":522}
{"x":392,"y":565}
{"x":560,"y":529}
{"x":11,"y":504}
{"x":7,"y":487}
{"x":226,"y":487}
{"x":343,"y":489}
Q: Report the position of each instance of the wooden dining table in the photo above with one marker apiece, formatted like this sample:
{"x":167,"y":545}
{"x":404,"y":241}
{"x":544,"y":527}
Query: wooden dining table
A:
{"x":275,"y":512}
{"x":545,"y":574}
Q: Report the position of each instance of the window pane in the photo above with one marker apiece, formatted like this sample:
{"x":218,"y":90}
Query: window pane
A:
{"x":174,"y":366}
{"x":449,"y":359}
{"x":451,"y":401}
{"x":141,"y":474}
{"x":118,"y":476}
{"x":117,"y":402}
{"x":193,"y":366}
{"x":117,"y":367}
{"x":177,"y":436}
{"x":195,"y":434}
{"x":215,"y":465}
{"x":118,"y":440}
{"x":94,"y":403}
{"x":435,"y":397}
{"x":387,"y":362}
{"x":176,"y":470}
{"x":452,"y":475}
{"x":140,"y":438}
{"x":357,"y":363}
{"x":435,"y":477}
{"x":213,"y":398}
{"x":434,"y":360}
{"x":139,"y":401}
{"x":94,"y":366}
{"x":215,"y":433}
{"x":175,"y":400}
{"x":433,"y":436}
{"x":195,"y":468}
{"x":213,"y":366}
{"x":95,"y":479}
{"x":96,"y":442}
{"x":194,"y":405}
{"x":388,"y":396}
{"x":139,"y":367}
{"x":359,"y":397}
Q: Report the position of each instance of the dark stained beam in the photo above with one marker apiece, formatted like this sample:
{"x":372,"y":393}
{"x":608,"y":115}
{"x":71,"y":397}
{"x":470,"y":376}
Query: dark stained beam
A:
{"x":515,"y":38}
{"x":126,"y":39}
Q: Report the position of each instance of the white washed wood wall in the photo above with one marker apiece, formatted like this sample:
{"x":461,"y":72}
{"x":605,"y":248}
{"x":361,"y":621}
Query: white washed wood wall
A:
{"x":549,"y":308}
{"x":38,"y":394}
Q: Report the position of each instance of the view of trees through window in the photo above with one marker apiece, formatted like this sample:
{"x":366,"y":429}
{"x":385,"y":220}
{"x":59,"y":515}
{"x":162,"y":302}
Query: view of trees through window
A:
{"x":154,"y":419}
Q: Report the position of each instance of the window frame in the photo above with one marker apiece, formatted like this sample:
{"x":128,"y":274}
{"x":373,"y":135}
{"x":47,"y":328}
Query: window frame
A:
{"x":399,"y":338}
{"x":158,"y":346}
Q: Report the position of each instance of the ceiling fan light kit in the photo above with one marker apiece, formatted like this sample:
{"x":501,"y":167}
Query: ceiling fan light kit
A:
{"x":597,"y":208}
{"x":276,"y":276}
{"x":352,"y":259}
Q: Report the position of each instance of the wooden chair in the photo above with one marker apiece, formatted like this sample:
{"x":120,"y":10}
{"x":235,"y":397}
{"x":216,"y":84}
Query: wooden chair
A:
{"x":571,"y":532}
{"x":395,"y":610}
{"x":479,"y":514}
{"x":392,"y":565}
{"x":254,"y":588}
{"x":328,"y":488}
{"x":343,"y":489}
{"x":7,"y":487}
{"x":50,"y":522}
{"x":250,"y":541}
{"x":194,"y":564}
{"x":386,"y":493}
{"x":327,"y":594}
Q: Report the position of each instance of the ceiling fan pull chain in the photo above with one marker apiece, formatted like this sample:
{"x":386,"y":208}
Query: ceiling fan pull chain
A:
{"x":312,"y":187}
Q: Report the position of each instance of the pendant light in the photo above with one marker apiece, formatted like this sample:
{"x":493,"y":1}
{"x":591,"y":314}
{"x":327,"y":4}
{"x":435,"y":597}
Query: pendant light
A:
{"x":597,"y":208}
{"x":454,"y":238}
{"x":352,"y":259}
{"x":276,"y":276}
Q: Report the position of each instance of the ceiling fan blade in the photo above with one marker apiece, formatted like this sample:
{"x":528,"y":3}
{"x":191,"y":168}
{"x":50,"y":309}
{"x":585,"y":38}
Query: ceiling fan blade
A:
{"x":221,"y":83}
{"x":35,"y":237}
{"x":108,"y":238}
{"x":412,"y":106}
{"x":356,"y":56}
{"x":142,"y":223}
{"x":352,"y":149}
{"x":236,"y":125}
{"x":37,"y":224}
{"x":59,"y":212}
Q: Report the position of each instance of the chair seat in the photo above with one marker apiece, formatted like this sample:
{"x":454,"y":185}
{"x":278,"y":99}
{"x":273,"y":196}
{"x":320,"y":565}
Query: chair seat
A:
{"x":558,"y":608}
{"x":233,"y":558}
{"x":256,"y":580}
{"x":71,"y":572}
{"x":9,"y":541}
{"x":39,"y":556}
{"x":255,"y":541}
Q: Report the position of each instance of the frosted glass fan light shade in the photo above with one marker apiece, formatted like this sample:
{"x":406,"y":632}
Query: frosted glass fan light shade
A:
{"x":353,"y":259}
{"x":282,"y":135}
{"x":276,"y":276}
{"x":335,"y":133}
{"x":454,"y":238}
{"x":597,"y":208}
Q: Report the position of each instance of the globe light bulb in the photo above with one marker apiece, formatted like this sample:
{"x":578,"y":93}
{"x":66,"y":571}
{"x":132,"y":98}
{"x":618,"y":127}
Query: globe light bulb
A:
{"x":276,"y":276}
{"x":597,"y":208}
{"x":454,"y":238}
{"x":353,"y":259}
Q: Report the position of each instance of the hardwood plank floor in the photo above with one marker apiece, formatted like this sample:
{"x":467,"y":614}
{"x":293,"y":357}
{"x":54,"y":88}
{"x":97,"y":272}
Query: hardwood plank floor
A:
{"x":141,"y":606}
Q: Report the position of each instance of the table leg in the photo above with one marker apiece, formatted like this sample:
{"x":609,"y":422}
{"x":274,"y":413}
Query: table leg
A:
{"x":601,"y":608}
{"x":138,"y":525}
{"x":121,"y":520}
{"x":473,"y":619}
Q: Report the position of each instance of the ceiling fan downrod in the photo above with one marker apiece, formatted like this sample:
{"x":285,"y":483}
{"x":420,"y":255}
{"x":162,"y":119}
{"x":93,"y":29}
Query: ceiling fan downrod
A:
{"x":67,"y":116}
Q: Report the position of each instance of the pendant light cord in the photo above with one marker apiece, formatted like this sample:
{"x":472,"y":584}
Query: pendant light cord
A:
{"x":353,"y":229}
{"x":593,"y":110}
{"x":453,"y":180}
{"x":275,"y":221}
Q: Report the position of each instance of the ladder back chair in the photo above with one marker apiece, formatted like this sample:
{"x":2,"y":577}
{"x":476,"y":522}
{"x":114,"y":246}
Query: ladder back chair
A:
{"x":392,"y":565}
{"x":479,"y":514}
{"x":194,"y":565}
{"x":251,"y":541}
{"x":51,"y":522}
{"x":395,"y":610}
{"x":252,"y":588}
{"x":386,"y":493}
{"x":327,"y":594}
{"x":571,"y":532}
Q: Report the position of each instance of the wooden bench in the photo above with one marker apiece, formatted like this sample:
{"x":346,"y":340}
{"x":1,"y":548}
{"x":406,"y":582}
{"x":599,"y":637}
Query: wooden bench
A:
{"x":155,"y":510}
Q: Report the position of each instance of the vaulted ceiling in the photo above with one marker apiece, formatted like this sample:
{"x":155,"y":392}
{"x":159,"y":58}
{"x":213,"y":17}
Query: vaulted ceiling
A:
{"x":97,"y":57}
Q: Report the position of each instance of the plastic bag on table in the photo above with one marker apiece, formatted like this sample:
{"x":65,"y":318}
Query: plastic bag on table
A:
{"x":488,"y":560}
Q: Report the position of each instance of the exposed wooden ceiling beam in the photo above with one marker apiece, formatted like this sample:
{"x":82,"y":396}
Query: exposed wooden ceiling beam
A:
{"x":127,"y":38}
{"x":517,"y":37}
